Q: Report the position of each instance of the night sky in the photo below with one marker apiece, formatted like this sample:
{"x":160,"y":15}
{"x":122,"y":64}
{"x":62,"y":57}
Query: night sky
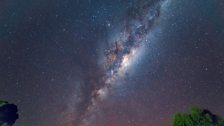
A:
{"x":111,"y":62}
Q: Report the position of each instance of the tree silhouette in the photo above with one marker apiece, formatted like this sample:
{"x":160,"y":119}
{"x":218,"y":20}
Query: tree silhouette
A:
{"x":8,"y":113}
{"x":198,"y":117}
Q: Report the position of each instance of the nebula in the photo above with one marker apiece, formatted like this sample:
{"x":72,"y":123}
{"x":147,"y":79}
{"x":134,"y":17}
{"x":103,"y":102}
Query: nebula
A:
{"x":140,"y":20}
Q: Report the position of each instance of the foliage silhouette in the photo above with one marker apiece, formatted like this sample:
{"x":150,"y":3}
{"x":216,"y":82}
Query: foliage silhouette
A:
{"x":8,"y":113}
{"x":198,"y":117}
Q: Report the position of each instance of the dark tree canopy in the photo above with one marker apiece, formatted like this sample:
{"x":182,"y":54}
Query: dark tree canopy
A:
{"x":198,"y":117}
{"x":8,"y":113}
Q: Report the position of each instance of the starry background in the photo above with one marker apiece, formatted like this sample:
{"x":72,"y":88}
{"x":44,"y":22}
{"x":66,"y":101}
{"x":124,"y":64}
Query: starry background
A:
{"x":48,"y":47}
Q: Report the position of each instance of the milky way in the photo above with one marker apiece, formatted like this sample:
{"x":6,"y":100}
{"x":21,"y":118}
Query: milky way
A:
{"x":111,"y":62}
{"x":140,"y":20}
